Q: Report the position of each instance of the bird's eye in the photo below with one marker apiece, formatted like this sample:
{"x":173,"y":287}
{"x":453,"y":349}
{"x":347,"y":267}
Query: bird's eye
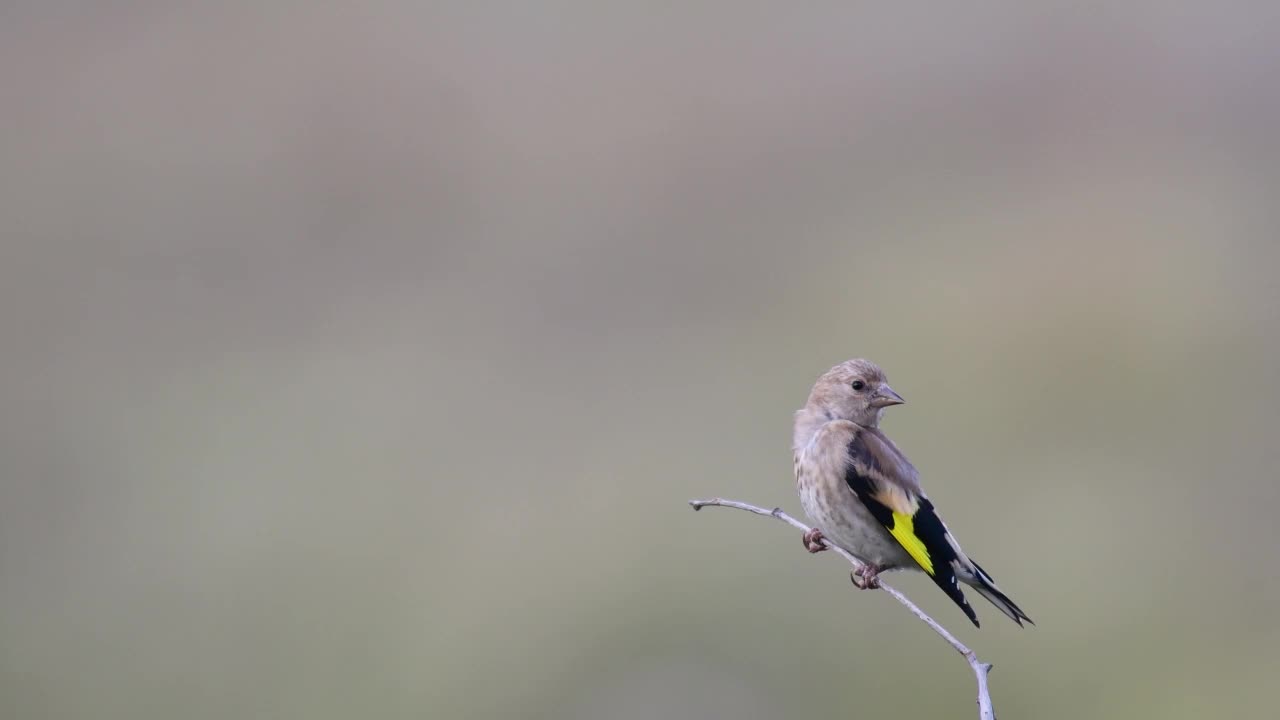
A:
{"x":857,"y":385}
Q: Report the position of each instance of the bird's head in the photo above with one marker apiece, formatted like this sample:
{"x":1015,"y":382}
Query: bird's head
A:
{"x":854,"y":390}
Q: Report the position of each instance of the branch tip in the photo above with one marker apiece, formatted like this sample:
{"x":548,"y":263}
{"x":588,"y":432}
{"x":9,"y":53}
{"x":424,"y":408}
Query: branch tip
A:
{"x":980,"y":669}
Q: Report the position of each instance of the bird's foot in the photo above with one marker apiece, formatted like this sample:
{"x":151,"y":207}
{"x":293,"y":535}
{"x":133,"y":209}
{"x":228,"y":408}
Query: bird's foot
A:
{"x":813,"y":541}
{"x":866,"y":577}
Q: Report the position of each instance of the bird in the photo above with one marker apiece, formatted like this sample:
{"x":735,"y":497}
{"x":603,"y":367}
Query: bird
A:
{"x":864,"y":495}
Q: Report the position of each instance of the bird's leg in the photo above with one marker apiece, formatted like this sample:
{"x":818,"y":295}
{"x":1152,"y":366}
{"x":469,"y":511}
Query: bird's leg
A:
{"x":813,"y":541}
{"x":866,"y":577}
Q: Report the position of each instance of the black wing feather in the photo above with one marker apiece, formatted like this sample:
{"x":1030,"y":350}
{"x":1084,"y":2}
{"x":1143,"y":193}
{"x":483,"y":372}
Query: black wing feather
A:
{"x":929,"y":528}
{"x":926,"y":525}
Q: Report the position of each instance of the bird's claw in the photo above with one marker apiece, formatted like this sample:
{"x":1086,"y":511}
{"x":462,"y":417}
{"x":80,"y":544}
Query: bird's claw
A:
{"x":866,"y":577}
{"x":813,"y":541}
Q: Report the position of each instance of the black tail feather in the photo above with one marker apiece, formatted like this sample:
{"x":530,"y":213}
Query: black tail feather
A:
{"x":986,"y":587}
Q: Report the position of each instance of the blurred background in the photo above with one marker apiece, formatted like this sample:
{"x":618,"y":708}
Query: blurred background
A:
{"x":359,"y":358}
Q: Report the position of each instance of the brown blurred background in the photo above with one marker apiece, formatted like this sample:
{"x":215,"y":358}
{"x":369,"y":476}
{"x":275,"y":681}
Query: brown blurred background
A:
{"x":359,"y":358}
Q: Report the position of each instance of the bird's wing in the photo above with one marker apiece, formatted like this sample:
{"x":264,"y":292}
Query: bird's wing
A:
{"x":885,"y":482}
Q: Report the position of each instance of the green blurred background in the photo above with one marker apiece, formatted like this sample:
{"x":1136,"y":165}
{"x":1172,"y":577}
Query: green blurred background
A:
{"x":359,"y":358}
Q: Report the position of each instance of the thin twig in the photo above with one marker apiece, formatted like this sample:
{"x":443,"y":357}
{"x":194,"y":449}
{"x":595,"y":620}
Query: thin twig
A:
{"x":980,"y":669}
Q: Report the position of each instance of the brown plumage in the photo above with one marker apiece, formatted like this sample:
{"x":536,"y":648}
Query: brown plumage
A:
{"x":865,"y":496}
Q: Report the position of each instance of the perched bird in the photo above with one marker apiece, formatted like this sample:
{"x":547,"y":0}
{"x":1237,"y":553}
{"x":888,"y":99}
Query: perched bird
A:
{"x":865,"y":496}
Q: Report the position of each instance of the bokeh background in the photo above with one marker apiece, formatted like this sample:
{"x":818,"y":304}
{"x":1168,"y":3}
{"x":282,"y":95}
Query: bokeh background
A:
{"x":359,"y":358}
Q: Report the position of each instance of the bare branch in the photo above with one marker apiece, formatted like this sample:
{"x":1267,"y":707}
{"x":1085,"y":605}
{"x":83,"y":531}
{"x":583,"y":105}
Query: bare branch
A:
{"x":980,"y":669}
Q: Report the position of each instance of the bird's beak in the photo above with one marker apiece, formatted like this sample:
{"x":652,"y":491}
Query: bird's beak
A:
{"x":885,"y":397}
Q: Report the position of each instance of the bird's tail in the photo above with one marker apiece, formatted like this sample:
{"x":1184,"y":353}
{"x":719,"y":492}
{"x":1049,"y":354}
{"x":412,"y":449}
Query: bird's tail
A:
{"x":986,"y":587}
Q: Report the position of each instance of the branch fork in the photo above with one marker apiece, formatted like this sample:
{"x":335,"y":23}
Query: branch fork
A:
{"x":980,"y":669}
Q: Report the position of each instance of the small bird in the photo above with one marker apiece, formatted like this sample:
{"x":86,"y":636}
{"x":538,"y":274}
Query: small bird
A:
{"x":864,"y":495}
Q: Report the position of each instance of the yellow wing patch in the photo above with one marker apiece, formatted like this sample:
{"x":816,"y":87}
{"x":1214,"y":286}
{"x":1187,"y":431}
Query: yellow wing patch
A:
{"x":904,"y":531}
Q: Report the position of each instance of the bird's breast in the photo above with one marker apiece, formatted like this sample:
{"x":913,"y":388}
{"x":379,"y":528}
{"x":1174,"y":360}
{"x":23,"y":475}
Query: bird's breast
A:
{"x":843,"y":519}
